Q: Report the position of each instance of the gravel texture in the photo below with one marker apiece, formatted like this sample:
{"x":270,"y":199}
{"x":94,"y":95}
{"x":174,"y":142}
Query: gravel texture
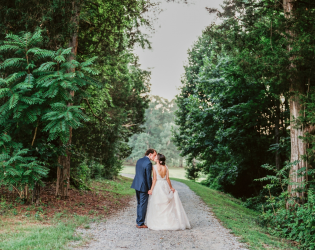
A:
{"x":120,"y":232}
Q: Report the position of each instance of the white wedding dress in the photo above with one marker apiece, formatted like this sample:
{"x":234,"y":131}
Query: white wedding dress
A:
{"x":165,"y":210}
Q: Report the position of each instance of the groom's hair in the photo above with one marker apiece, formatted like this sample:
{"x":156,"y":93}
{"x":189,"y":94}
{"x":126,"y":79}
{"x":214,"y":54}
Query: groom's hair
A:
{"x":150,"y":151}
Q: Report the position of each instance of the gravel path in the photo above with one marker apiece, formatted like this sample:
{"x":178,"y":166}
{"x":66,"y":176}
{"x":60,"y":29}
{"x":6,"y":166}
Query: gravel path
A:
{"x":120,"y":232}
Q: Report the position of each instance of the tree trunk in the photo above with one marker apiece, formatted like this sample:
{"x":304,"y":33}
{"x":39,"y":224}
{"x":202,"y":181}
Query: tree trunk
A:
{"x":63,"y":172}
{"x":36,"y":194}
{"x":298,"y":147}
{"x":277,"y":133}
{"x":63,"y":176}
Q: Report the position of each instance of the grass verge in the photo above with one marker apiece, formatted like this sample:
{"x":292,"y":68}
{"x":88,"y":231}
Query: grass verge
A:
{"x":23,"y":228}
{"x":242,"y":221}
{"x":27,"y":233}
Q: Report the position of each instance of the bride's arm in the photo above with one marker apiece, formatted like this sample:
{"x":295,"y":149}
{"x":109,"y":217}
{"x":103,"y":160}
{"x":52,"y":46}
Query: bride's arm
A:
{"x":153,"y":183}
{"x":169,"y":181}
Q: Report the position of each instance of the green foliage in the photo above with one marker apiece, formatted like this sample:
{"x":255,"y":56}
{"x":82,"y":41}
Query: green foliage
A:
{"x":226,"y":120}
{"x":116,"y":112}
{"x":235,"y":95}
{"x":233,"y":112}
{"x":35,"y":87}
{"x":157,"y":132}
{"x":192,"y":173}
{"x":297,"y":223}
{"x":19,"y":171}
{"x":106,"y":29}
{"x":84,"y":173}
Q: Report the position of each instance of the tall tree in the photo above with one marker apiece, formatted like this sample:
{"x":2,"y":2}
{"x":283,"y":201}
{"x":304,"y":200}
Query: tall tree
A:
{"x":269,"y":48}
{"x":63,"y":171}
{"x":297,"y":88}
{"x":226,"y":120}
{"x":104,"y":138}
{"x":108,"y":29}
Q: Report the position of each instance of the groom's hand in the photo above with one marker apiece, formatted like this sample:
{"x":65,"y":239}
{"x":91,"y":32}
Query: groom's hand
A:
{"x":149,"y":192}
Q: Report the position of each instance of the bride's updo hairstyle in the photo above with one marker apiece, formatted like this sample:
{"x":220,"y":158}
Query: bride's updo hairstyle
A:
{"x":161,"y":158}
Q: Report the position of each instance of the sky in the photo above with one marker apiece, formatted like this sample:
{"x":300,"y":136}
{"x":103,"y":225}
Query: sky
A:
{"x":177,"y":28}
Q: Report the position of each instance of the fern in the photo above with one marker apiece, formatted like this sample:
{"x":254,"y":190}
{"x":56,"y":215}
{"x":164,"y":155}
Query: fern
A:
{"x":14,"y":62}
{"x":35,"y":93}
{"x":48,"y":66}
{"x":3,"y":92}
{"x":13,"y":101}
{"x":19,"y":171}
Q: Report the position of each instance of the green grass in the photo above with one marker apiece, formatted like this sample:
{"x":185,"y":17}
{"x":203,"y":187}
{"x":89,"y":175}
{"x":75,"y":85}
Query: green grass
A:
{"x":119,"y":186}
{"x":24,"y":233}
{"x":240,"y":220}
{"x":30,"y":234}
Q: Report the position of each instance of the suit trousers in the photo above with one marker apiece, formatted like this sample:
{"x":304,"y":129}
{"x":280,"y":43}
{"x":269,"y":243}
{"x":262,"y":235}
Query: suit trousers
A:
{"x":142,"y":203}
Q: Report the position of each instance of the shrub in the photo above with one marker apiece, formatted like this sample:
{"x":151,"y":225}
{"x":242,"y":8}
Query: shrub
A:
{"x":296,"y":224}
{"x":21,"y":172}
{"x":35,"y":115}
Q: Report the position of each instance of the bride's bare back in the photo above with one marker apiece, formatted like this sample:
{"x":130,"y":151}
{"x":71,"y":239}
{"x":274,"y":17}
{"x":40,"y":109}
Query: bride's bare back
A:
{"x":162,"y":170}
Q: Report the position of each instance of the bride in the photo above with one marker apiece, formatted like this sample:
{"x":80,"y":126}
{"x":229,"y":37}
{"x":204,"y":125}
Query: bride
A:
{"x":165,"y":210}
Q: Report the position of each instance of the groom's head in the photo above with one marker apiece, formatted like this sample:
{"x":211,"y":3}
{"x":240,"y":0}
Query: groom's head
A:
{"x":151,"y":153}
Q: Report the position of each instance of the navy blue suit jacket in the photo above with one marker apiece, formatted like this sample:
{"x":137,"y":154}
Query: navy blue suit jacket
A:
{"x":143,"y":181}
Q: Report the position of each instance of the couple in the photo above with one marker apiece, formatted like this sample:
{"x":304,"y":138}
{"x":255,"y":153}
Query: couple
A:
{"x":159,"y":206}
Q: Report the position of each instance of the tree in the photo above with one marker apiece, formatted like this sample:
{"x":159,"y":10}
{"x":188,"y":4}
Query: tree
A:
{"x":298,"y":86}
{"x":108,"y":29}
{"x":226,"y":120}
{"x":35,"y":93}
{"x":113,"y":120}
{"x":63,"y":171}
{"x":269,"y":48}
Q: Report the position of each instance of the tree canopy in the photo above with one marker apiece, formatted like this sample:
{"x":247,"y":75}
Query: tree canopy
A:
{"x":234,"y":105}
{"x":88,"y":117}
{"x":245,"y":109}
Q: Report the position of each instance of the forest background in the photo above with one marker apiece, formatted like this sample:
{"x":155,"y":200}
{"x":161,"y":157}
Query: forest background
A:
{"x":157,"y":134}
{"x":73,"y":94}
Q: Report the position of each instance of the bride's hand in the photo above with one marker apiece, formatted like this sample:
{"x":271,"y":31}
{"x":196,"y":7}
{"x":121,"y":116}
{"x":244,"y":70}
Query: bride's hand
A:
{"x":150,"y":192}
{"x":173,"y":190}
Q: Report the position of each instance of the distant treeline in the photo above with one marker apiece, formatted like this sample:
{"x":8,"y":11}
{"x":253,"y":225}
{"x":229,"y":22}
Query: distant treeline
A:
{"x":157,"y":134}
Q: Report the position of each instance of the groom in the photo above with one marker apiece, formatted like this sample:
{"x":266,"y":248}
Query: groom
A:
{"x":142,"y":184}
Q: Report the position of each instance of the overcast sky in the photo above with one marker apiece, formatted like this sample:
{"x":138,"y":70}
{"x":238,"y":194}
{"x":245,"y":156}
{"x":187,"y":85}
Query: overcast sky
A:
{"x":177,"y":28}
